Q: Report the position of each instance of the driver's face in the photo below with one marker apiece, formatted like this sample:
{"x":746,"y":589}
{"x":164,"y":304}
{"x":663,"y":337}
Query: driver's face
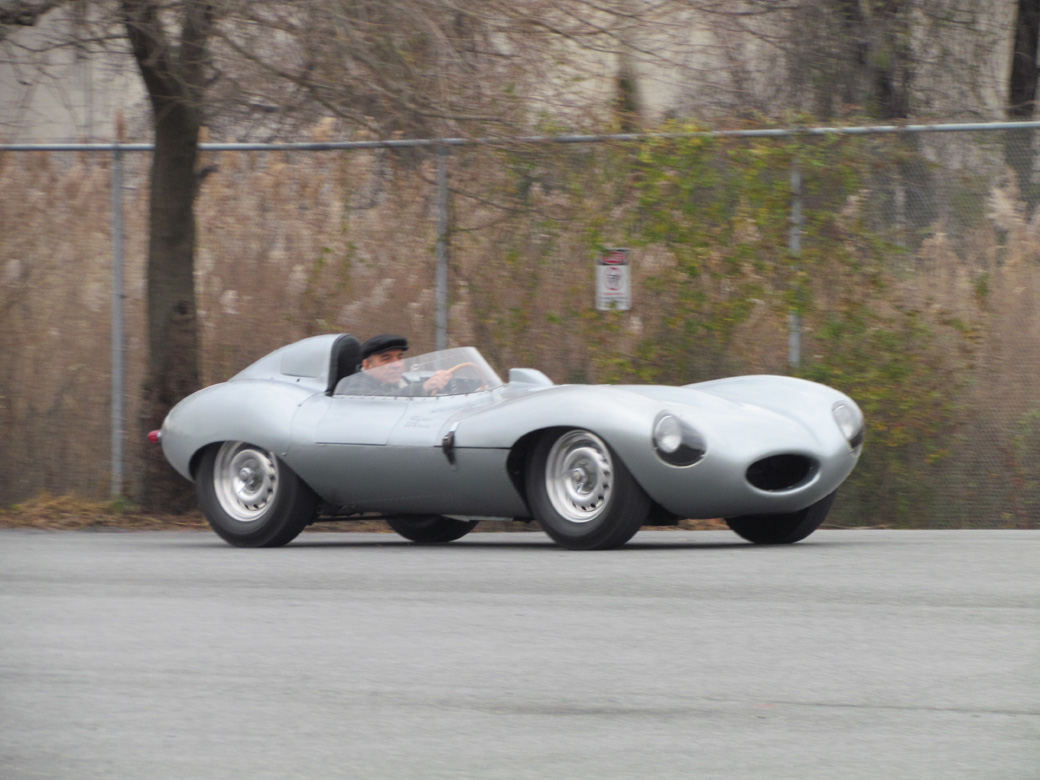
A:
{"x":387,"y":366}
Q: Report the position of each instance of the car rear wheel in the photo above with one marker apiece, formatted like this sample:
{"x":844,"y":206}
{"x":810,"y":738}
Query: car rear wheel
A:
{"x":430,"y":529}
{"x":782,"y":528}
{"x":581,"y":493}
{"x":251,"y":498}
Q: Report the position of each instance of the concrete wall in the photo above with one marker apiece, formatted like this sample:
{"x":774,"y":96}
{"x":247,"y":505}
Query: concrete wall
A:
{"x":51,"y":92}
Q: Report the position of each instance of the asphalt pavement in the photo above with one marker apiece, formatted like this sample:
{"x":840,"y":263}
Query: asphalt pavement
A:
{"x":854,"y":654}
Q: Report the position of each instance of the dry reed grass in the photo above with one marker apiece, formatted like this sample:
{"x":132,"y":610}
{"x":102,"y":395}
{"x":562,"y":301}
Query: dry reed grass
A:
{"x":292,"y":244}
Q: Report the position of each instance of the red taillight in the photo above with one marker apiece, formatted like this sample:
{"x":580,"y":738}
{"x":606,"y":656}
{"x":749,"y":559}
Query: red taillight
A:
{"x":154,"y":436}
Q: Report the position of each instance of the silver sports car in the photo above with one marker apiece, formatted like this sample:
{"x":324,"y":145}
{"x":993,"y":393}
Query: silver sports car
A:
{"x":304,"y":433}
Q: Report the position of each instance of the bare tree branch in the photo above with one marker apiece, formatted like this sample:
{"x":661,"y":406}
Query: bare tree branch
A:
{"x":19,"y":13}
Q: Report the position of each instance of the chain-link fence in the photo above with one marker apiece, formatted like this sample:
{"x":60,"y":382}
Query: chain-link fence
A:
{"x":900,"y":265}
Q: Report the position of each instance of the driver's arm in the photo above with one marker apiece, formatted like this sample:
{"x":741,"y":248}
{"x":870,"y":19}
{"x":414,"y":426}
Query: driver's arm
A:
{"x":437,"y":382}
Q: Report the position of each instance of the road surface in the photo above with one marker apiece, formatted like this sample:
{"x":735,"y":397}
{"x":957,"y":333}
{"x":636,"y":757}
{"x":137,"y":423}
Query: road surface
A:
{"x":854,"y":654}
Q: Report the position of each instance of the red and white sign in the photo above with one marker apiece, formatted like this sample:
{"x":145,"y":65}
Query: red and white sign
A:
{"x":614,"y":280}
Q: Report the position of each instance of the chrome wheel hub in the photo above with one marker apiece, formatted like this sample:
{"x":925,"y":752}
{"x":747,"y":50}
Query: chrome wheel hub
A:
{"x":579,"y":476}
{"x":246,"y":480}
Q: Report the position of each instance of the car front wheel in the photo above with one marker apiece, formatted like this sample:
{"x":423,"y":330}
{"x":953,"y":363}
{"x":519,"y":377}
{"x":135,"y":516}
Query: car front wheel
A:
{"x":430,"y":529}
{"x":581,"y":494}
{"x":251,"y":498}
{"x":782,"y":528}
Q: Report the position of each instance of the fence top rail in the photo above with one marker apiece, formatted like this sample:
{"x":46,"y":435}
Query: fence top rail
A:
{"x":438,"y":143}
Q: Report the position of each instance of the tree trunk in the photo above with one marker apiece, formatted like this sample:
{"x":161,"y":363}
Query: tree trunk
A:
{"x":1022,"y":87}
{"x":1018,"y":144}
{"x":880,"y":55}
{"x":172,"y":329}
{"x":173,"y":77}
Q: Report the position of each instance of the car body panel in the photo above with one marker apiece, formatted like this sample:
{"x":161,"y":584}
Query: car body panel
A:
{"x":255,"y":411}
{"x":460,"y":454}
{"x":623,"y":416}
{"x":304,"y":362}
{"x":386,"y":455}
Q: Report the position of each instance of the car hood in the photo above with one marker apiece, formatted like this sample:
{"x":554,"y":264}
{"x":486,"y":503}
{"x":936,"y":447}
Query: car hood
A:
{"x":782,"y":412}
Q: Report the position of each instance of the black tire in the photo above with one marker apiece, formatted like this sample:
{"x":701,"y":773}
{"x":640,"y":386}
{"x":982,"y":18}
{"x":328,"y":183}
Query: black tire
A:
{"x":581,"y":494}
{"x":430,"y":529}
{"x":782,"y":529}
{"x":251,"y":498}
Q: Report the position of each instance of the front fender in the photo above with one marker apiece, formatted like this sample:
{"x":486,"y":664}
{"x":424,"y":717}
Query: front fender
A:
{"x":737,"y":433}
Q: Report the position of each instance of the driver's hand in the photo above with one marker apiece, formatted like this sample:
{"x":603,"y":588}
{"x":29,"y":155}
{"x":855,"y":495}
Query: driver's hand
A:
{"x":437,"y":382}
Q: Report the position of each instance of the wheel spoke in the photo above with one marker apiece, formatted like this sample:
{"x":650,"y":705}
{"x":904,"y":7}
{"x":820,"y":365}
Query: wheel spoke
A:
{"x":579,"y":476}
{"x":246,"y":480}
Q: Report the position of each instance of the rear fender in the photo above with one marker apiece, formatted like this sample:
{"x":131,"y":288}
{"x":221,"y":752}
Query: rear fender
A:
{"x":257,"y":412}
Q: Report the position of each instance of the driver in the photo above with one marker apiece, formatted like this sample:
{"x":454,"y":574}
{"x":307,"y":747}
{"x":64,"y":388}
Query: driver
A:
{"x":382,"y":371}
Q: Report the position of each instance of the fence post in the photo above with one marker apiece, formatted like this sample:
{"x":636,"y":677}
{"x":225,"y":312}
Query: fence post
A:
{"x":116,"y":485}
{"x":794,"y":245}
{"x":441,"y":283}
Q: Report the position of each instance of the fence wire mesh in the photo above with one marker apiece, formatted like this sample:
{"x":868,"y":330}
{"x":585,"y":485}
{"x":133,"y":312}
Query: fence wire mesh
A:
{"x":915,"y":281}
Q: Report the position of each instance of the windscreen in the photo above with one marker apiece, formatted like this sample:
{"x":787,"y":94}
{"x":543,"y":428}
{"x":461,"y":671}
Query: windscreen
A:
{"x":454,"y":371}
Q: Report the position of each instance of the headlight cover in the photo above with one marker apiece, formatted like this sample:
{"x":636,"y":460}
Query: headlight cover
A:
{"x":850,"y":423}
{"x":675,"y":442}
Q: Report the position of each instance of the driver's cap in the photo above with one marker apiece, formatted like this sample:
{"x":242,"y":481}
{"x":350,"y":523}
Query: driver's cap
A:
{"x":383,"y":343}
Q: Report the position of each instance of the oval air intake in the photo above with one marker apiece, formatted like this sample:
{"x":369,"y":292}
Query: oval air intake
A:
{"x":780,"y":472}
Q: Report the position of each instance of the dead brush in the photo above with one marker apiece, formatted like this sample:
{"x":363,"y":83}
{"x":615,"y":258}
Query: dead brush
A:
{"x":294,"y":244}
